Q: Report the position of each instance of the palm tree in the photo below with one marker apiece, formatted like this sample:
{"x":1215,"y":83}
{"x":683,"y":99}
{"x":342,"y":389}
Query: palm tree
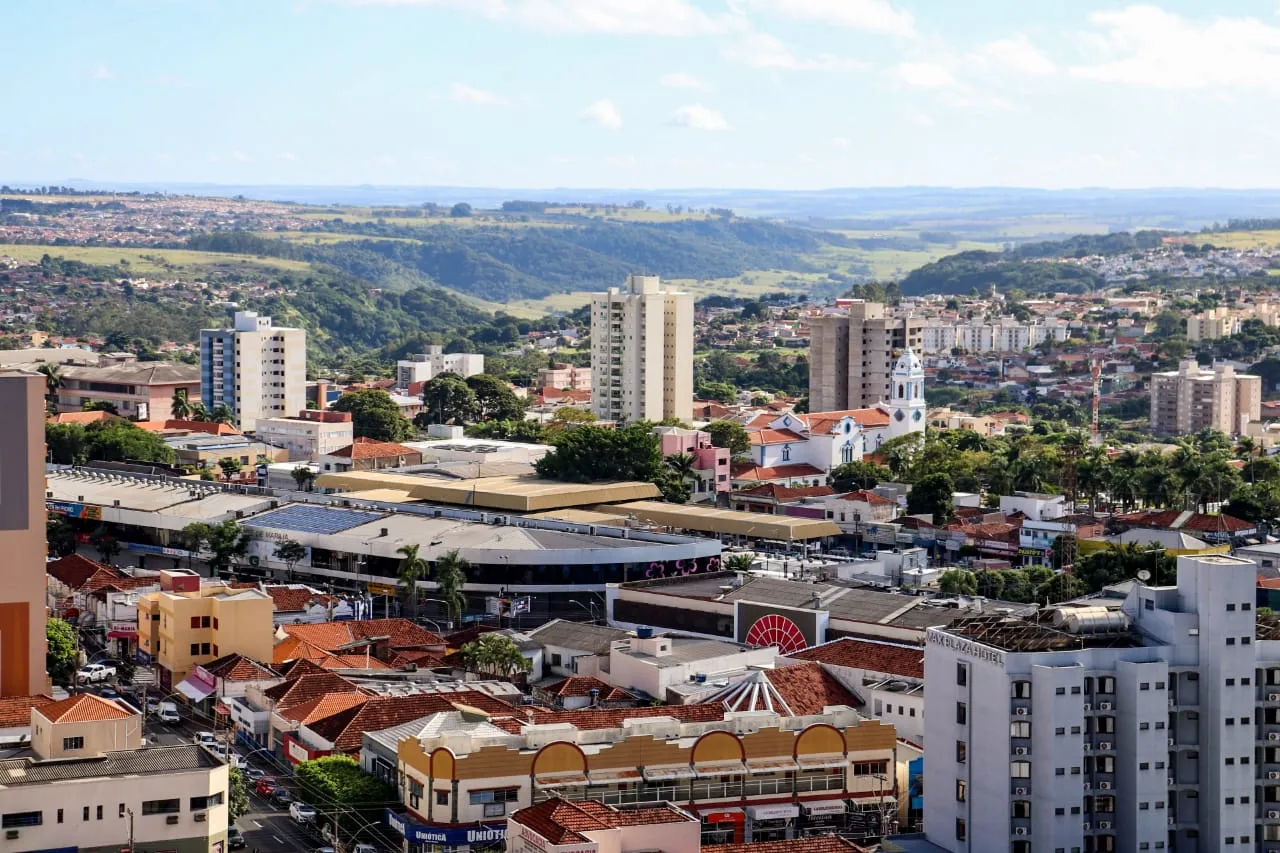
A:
{"x":496,"y":655}
{"x":303,"y":477}
{"x":739,"y":562}
{"x":412,"y":569}
{"x":52,"y":372}
{"x":1246,"y":447}
{"x":681,"y":465}
{"x":451,"y":577}
{"x":180,"y":408}
{"x":199,"y":413}
{"x":221,"y":414}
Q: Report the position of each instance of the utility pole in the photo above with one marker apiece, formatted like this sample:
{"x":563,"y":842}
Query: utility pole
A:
{"x":130,"y":813}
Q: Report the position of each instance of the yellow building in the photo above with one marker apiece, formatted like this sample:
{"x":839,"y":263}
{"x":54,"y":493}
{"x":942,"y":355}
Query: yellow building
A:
{"x":189,"y":623}
{"x":83,"y":726}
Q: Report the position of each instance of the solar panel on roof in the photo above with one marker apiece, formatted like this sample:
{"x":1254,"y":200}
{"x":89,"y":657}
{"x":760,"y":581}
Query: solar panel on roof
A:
{"x":306,"y":518}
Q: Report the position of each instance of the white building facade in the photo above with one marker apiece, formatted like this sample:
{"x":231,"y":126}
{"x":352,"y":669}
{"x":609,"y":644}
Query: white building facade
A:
{"x":422,"y":367}
{"x":258,"y":370}
{"x":1150,"y":724}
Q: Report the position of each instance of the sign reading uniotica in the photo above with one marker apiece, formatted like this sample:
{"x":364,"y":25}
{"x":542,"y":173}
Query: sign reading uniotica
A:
{"x":416,"y":833}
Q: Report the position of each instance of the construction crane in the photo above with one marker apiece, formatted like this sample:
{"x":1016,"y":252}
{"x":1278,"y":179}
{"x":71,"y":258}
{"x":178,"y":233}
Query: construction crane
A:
{"x":1095,"y":370}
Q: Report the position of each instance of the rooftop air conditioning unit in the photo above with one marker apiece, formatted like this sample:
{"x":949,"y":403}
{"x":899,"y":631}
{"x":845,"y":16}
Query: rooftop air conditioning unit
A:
{"x":1021,"y":712}
{"x":1104,"y":706}
{"x":1022,"y":750}
{"x":1106,"y":824}
{"x":1088,"y":707}
{"x":1106,"y":786}
{"x":1020,"y":792}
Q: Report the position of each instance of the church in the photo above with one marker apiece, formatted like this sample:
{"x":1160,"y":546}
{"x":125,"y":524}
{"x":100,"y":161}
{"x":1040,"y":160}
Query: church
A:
{"x":798,"y":450}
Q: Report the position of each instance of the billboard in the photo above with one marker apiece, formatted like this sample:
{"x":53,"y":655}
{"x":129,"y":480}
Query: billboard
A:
{"x":788,"y":628}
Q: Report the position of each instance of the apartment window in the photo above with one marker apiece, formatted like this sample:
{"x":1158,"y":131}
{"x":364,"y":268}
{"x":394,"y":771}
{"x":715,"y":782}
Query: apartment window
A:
{"x":1231,"y":682}
{"x":1020,"y":769}
{"x":1231,"y":608}
{"x":1142,"y":727}
{"x":1231,"y":641}
{"x":1246,"y":606}
{"x":1230,"y":761}
{"x":99,"y":812}
{"x":121,"y":813}
{"x":1022,"y":690}
{"x":195,"y":648}
{"x":961,"y":790}
{"x":1060,"y":691}
{"x":1159,"y":685}
{"x":70,"y":743}
{"x":1060,"y":730}
{"x":195,"y":621}
{"x":1146,"y":685}
{"x":1145,"y":765}
{"x":442,"y":798}
{"x":215,"y":650}
{"x":962,"y":751}
{"x":1244,"y":641}
{"x":13,"y":820}
{"x":1059,"y":771}
{"x":962,"y":829}
{"x":157,"y":807}
{"x":962,"y":674}
{"x":1021,"y":808}
{"x":204,"y":648}
{"x":962,"y":713}
{"x":1075,"y":691}
{"x":199,"y":804}
{"x":1060,"y":812}
{"x":495,"y":795}
{"x":1021,"y":728}
{"x":204,"y":621}
{"x":215,"y":623}
{"x":59,"y":815}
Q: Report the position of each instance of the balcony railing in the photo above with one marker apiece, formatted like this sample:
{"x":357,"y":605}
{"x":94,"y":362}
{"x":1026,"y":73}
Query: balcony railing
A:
{"x":697,"y":791}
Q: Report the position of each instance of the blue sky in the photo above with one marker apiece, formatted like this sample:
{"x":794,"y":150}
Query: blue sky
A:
{"x":789,"y":94}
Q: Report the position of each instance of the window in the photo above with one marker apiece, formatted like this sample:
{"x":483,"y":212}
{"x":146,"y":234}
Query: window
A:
{"x":1060,"y":691}
{"x":215,"y":623}
{"x":1230,"y":761}
{"x":195,"y":648}
{"x":1231,"y":608}
{"x":1231,"y":641}
{"x":1059,"y":811}
{"x":195,"y":621}
{"x":59,"y":815}
{"x":962,"y":829}
{"x":1145,"y":765}
{"x":69,"y":743}
{"x":962,"y":751}
{"x":159,"y":806}
{"x":85,"y":815}
{"x":961,"y":790}
{"x":962,"y":674}
{"x":1059,"y":771}
{"x":1244,"y":641}
{"x":442,"y":798}
{"x":962,"y":713}
{"x":1246,"y":606}
{"x":1146,"y":685}
{"x":555,"y":660}
{"x":204,"y":648}
{"x":1021,"y":808}
{"x":1142,"y":727}
{"x":1022,"y":690}
{"x":199,"y":804}
{"x":495,"y":795}
{"x":1020,"y":728}
{"x":121,"y":813}
{"x":13,"y":820}
{"x":1060,"y":730}
{"x":1020,"y":769}
{"x":204,"y":621}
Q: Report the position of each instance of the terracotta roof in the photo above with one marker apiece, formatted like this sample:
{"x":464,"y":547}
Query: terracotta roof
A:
{"x":306,"y":687}
{"x":867,"y":497}
{"x":1173,"y":519}
{"x":84,"y":708}
{"x":332,"y":636}
{"x":561,"y":821}
{"x":237,"y":667}
{"x":778,"y":472}
{"x":611,"y":718}
{"x":907,"y":661}
{"x":110,"y":578}
{"x":580,"y":686}
{"x":322,"y":707}
{"x":190,"y":426}
{"x":775,"y":436}
{"x":813,"y":844}
{"x":73,"y":569}
{"x":825,"y":422}
{"x":289,"y":599}
{"x":15,"y":711}
{"x":1269,"y":583}
{"x":345,"y":730}
{"x":84,"y":417}
{"x":782,"y":494}
{"x":368,"y":448}
{"x":807,"y":688}
{"x":426,"y":660}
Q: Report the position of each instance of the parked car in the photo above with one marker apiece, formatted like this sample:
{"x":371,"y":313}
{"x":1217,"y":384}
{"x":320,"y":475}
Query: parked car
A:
{"x":266,"y":786}
{"x":302,"y":812}
{"x":253,"y":774}
{"x":108,"y":692}
{"x":167,"y":712}
{"x":281,"y":798}
{"x":235,"y":838}
{"x":95,"y":672}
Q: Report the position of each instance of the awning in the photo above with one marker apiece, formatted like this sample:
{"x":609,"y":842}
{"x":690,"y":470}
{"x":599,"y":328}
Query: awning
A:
{"x":773,"y":812}
{"x":122,"y":635}
{"x":613,"y":774}
{"x":824,"y":807}
{"x":667,"y":774}
{"x":721,"y":814}
{"x":195,"y":689}
{"x":721,"y":768}
{"x":822,"y":762}
{"x":559,"y":780}
{"x":770,"y":765}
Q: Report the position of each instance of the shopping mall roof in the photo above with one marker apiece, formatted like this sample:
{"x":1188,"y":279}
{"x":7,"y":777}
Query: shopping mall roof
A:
{"x":707,"y":519}
{"x":518,"y":494}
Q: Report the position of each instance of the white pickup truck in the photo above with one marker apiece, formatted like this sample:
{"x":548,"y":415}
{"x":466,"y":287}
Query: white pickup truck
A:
{"x":95,"y":672}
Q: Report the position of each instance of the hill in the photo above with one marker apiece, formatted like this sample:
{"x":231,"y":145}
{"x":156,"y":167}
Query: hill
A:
{"x":979,"y":270}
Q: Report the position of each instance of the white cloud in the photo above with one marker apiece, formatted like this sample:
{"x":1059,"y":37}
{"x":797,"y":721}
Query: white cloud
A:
{"x":286,"y":156}
{"x":877,"y":16}
{"x":925,"y":75}
{"x":698,"y":117}
{"x":1015,"y":54}
{"x":761,"y":50}
{"x":1146,"y":46}
{"x":841,"y":142}
{"x":102,"y":72}
{"x":623,"y":161}
{"x":922,"y":120}
{"x":603,"y":112}
{"x":463,"y":94}
{"x":624,"y":17}
{"x":683,"y":80}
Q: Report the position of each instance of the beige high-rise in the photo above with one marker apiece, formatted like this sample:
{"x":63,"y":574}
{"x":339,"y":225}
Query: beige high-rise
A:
{"x":641,"y":352}
{"x":1191,"y":398}
{"x":257,"y":369}
{"x":851,"y":356}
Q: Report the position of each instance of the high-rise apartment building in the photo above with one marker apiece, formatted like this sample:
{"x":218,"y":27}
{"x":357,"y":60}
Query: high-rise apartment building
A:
{"x":422,"y":367}
{"x":1192,"y":398}
{"x":258,"y":370}
{"x":22,"y":535}
{"x":642,"y":352}
{"x":1149,"y":722}
{"x":851,"y":356}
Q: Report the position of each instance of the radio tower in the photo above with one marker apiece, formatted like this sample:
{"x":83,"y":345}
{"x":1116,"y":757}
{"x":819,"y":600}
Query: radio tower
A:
{"x":1095,"y":370}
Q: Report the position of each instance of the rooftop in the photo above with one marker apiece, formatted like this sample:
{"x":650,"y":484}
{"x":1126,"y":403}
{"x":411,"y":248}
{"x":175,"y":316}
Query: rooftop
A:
{"x":685,"y":650}
{"x":15,"y":711}
{"x":85,"y":708}
{"x":870,"y":655}
{"x":520,"y":494}
{"x":563,"y":822}
{"x":815,"y":844}
{"x":579,"y":636}
{"x":708,"y":519}
{"x":148,"y":761}
{"x":368,"y":448}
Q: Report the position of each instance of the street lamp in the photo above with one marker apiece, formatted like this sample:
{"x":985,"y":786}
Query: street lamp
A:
{"x":591,"y":610}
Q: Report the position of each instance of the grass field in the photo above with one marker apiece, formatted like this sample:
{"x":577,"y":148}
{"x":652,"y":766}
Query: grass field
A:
{"x":625,"y":214}
{"x":1241,"y":239}
{"x":324,"y":237}
{"x":146,"y":261}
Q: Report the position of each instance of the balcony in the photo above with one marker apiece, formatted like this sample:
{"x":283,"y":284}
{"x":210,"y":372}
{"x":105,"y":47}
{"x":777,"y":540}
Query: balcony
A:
{"x":700,"y":790}
{"x":1269,"y":734}
{"x":1269,"y":696}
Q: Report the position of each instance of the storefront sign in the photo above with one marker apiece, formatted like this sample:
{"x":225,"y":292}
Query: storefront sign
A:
{"x":141,"y":658}
{"x":416,"y":833}
{"x":723,"y":817}
{"x":774,"y":812}
{"x":74,"y":510}
{"x":833,"y":807}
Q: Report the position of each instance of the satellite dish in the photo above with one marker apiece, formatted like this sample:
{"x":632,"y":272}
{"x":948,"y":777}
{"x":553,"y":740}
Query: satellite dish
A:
{"x":1144,"y":575}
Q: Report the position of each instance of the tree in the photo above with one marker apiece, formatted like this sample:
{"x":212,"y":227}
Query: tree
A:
{"x":932,"y":495}
{"x":530,"y":432}
{"x":303,"y":477}
{"x":123,"y":441}
{"x":495,"y":401}
{"x":451,"y":577}
{"x":958,"y":582}
{"x":412,"y":569}
{"x":1117,"y":563}
{"x":729,"y":435}
{"x":220,"y":414}
{"x":60,"y":650}
{"x":565,"y":417}
{"x":193,"y":537}
{"x":461,"y":210}
{"x":448,"y":399}
{"x":226,"y":541}
{"x":857,"y":475}
{"x":290,"y":552}
{"x":237,"y":795}
{"x":374,"y":415}
{"x":52,"y":372}
{"x":106,"y":543}
{"x":101,"y":406}
{"x":230,"y":467}
{"x":591,"y":453}
{"x":67,"y":444}
{"x":1061,"y":587}
{"x":739,"y":562}
{"x":337,"y":784}
{"x":495,"y":655}
{"x":59,"y":536}
{"x":180,"y":406}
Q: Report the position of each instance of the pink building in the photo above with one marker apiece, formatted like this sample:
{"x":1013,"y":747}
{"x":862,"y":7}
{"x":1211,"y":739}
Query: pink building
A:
{"x":710,"y":463}
{"x":565,"y":376}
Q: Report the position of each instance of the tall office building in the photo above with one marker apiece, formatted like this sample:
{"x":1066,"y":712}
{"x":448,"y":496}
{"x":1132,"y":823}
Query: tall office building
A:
{"x":851,"y":356}
{"x":257,"y":369}
{"x":642,"y":352}
{"x":1191,"y":398}
{"x":1144,"y":722}
{"x":22,"y":535}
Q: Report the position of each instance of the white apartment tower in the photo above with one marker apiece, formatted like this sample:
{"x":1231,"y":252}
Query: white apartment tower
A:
{"x":1148,"y":722}
{"x":257,"y":369}
{"x":422,"y":367}
{"x":641,"y":352}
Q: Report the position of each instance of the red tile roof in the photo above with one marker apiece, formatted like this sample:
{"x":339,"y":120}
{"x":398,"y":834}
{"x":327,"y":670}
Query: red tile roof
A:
{"x":888,"y":658}
{"x":580,"y":686}
{"x":237,"y":667}
{"x":561,"y":821}
{"x":825,"y":422}
{"x":345,"y":730}
{"x":15,"y":711}
{"x":190,"y":426}
{"x":368,"y":448}
{"x":807,"y":688}
{"x":751,"y":471}
{"x":84,"y":417}
{"x":782,"y":494}
{"x":323,"y":707}
{"x":304,"y":688}
{"x":73,"y":569}
{"x":332,"y":636}
{"x":1269,"y":583}
{"x":813,"y":844}
{"x":611,"y":718}
{"x":290,"y":599}
{"x":1172,"y":519}
{"x":866,"y":497}
{"x":774,"y":436}
{"x":84,"y":708}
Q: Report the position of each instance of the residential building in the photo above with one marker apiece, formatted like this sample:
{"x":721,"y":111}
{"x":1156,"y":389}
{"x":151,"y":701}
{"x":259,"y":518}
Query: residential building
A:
{"x":191,"y":623}
{"x":258,"y":370}
{"x":423,"y":367}
{"x":138,"y":390}
{"x":15,"y":719}
{"x":84,"y":725}
{"x":155,"y":798}
{"x":561,"y":377}
{"x":367,"y":454}
{"x":582,"y":691}
{"x":1192,"y":398}
{"x":1006,"y":336}
{"x":852,"y":355}
{"x":1146,"y":722}
{"x":651,"y":665}
{"x":22,"y":535}
{"x":308,"y":434}
{"x":853,"y":511}
{"x":566,"y":643}
{"x":1213,"y":324}
{"x":710,"y":463}
{"x":207,"y":451}
{"x":641,"y":352}
{"x":558,"y":824}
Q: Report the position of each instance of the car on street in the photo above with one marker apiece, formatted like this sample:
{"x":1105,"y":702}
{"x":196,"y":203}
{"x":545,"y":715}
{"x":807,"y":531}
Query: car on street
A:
{"x":167,"y":712}
{"x":253,"y":774}
{"x":325,"y":849}
{"x":302,"y":812}
{"x":235,"y":838}
{"x":95,"y":672}
{"x":153,"y":705}
{"x":204,"y":738}
{"x":108,"y":692}
{"x":266,"y":786}
{"x":281,"y":798}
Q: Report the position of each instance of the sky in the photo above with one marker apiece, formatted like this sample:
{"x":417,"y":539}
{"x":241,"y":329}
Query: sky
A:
{"x":778,"y":94}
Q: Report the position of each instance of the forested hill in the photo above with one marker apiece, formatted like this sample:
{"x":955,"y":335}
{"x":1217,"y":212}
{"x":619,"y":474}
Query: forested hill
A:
{"x":978,"y":270}
{"x":505,"y":262}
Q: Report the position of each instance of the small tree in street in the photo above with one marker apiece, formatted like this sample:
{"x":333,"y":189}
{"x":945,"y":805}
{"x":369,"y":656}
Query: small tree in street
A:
{"x":290,"y":552}
{"x":228,"y":541}
{"x":60,"y":650}
{"x":230,"y":467}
